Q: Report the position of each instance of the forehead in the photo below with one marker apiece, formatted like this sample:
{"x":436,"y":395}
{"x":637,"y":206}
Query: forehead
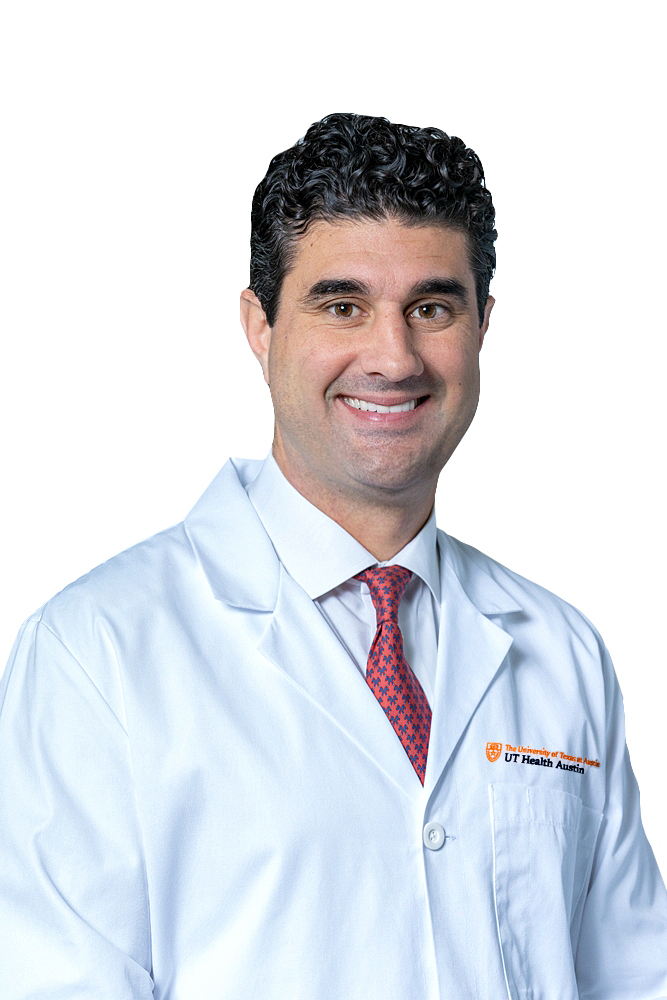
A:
{"x":386,"y":254}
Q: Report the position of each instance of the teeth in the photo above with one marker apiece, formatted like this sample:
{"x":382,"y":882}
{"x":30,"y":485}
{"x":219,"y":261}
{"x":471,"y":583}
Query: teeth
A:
{"x":363,"y":404}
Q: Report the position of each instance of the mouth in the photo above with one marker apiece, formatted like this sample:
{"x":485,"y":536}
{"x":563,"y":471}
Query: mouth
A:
{"x":369,"y":406}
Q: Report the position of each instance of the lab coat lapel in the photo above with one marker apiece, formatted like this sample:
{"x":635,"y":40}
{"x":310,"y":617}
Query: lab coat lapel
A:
{"x":300,"y":643}
{"x":244,"y":571}
{"x":471,"y":649}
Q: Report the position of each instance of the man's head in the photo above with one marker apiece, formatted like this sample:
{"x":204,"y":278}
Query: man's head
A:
{"x":355,"y":166}
{"x":372,"y":256}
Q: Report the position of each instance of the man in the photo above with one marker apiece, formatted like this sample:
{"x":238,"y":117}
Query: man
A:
{"x":304,"y":744}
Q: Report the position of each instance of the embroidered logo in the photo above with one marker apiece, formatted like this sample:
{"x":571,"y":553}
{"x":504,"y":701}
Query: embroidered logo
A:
{"x":543,"y":757}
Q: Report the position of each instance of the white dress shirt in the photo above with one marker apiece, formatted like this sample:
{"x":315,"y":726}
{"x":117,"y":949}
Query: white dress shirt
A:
{"x":323,"y":558}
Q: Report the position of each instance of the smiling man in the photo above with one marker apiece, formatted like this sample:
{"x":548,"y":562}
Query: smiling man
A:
{"x":305,"y":744}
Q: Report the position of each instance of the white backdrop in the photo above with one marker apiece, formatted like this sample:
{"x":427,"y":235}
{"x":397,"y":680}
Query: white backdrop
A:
{"x":134,"y":134}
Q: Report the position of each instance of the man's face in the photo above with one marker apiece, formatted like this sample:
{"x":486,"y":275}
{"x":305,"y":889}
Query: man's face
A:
{"x":373,"y":315}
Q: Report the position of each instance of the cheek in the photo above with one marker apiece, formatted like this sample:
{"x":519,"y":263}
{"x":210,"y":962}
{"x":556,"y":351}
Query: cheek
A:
{"x":457,"y":367}
{"x":304,"y":366}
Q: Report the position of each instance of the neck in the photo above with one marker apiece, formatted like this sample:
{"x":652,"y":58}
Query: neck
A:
{"x":383,"y":524}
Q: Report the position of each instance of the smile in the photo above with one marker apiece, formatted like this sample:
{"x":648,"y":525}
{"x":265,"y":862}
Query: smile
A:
{"x":364,"y":404}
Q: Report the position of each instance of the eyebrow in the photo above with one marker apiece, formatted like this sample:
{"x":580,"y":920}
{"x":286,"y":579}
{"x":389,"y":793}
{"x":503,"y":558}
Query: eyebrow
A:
{"x":441,"y":286}
{"x":334,"y":286}
{"x":350,"y":286}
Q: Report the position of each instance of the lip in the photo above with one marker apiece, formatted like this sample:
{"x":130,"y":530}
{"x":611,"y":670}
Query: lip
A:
{"x":375,"y":418}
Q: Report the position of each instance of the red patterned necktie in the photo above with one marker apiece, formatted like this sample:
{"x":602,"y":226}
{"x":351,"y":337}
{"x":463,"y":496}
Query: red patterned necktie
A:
{"x":388,"y":673}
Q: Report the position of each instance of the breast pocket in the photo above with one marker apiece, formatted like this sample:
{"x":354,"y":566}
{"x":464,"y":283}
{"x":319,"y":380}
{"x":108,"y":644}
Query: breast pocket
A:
{"x":543,"y":843}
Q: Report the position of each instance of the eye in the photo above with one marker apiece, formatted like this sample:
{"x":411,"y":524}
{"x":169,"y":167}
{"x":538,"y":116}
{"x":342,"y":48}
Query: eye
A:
{"x":344,"y":310}
{"x":430,"y":310}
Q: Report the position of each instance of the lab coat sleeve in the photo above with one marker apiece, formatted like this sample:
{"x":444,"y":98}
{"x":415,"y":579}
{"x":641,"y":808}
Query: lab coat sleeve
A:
{"x":73,"y":901}
{"x":622,"y":947}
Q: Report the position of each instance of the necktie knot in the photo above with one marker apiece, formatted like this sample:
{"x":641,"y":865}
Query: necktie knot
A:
{"x":387,"y":585}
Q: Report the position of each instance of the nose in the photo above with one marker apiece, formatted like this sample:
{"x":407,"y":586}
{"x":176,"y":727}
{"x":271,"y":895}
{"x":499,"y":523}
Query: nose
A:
{"x":389,"y":348}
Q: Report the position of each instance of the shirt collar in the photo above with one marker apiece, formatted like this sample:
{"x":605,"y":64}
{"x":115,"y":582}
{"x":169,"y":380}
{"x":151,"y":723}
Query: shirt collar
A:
{"x":315,"y":550}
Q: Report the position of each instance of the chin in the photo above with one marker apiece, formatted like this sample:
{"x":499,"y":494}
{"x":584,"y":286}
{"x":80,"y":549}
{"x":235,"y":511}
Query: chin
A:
{"x":394,"y":474}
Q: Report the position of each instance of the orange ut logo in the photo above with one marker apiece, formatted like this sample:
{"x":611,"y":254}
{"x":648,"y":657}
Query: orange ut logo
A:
{"x":493,"y":751}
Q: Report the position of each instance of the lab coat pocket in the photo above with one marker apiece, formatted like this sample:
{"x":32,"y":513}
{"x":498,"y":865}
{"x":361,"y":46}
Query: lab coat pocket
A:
{"x":543,"y":843}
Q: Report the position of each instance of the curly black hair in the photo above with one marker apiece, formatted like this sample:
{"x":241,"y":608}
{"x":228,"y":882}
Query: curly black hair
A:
{"x":351,"y":165}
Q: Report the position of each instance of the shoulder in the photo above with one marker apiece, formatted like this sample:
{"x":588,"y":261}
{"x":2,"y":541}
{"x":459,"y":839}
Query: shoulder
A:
{"x":157,"y":582}
{"x":123,"y":594}
{"x":82,"y":631}
{"x":132,"y":578}
{"x":158,"y":570}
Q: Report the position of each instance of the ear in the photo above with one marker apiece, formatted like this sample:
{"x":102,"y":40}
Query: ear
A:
{"x":490,"y":302}
{"x":257,"y":329}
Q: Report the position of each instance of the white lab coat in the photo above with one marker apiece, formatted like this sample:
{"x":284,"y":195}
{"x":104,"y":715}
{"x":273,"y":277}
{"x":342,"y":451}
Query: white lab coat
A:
{"x":201,"y":797}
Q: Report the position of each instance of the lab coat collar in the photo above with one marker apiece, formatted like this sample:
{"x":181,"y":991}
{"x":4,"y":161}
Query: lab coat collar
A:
{"x":233,"y":548}
{"x":468,"y":565}
{"x":231,"y":542}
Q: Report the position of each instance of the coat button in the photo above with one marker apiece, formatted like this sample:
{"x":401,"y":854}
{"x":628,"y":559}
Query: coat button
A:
{"x":434,"y":836}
